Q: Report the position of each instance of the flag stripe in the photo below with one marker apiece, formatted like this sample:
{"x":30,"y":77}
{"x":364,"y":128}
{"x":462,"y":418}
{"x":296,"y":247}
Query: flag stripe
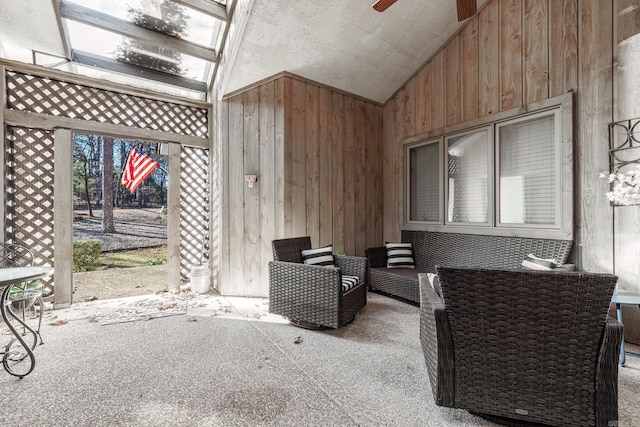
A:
{"x":137,"y":168}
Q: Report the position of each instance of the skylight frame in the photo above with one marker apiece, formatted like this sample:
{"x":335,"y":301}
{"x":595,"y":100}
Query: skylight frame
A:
{"x":71,"y":12}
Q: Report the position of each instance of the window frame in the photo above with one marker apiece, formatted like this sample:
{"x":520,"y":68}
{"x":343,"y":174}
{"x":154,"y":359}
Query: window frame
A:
{"x":407,"y":150}
{"x":556,"y":113}
{"x":564,"y":221}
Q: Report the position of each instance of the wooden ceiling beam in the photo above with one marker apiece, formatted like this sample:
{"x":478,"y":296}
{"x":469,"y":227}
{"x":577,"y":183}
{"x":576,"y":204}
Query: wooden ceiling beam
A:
{"x":208,"y":7}
{"x":98,"y":61}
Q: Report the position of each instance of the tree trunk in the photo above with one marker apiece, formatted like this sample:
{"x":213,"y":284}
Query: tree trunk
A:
{"x":108,"y":225}
{"x":86,"y":189}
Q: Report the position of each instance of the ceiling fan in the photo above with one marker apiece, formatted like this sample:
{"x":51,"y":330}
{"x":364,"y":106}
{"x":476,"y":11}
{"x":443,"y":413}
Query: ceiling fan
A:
{"x":466,"y":8}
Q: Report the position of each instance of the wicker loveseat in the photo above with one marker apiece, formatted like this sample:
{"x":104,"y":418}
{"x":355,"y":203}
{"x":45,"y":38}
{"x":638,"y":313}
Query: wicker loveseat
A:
{"x":455,"y":249}
{"x":523,"y":346}
{"x":312,"y":296}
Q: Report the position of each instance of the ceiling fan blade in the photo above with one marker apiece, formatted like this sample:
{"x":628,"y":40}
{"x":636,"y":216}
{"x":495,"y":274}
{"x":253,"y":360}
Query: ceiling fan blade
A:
{"x":382,"y":5}
{"x":466,"y":9}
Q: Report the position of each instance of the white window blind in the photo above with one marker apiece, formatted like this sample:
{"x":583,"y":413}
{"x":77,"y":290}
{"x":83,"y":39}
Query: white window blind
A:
{"x":467,"y":195}
{"x":527,"y":171}
{"x":424,"y":185}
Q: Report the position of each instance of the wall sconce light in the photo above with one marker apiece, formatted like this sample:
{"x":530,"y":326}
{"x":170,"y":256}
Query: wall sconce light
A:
{"x":250,"y":179}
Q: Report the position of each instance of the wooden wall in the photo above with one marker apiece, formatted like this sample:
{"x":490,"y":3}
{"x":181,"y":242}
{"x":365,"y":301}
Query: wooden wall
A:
{"x":512,"y":53}
{"x":330,"y":165}
{"x":626,"y":105}
{"x":318,"y":156}
{"x":517,"y":52}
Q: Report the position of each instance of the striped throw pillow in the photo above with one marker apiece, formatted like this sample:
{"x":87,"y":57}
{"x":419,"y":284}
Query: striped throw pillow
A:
{"x":318,"y":256}
{"x":400,"y":255}
{"x":532,"y":262}
{"x":349,"y":282}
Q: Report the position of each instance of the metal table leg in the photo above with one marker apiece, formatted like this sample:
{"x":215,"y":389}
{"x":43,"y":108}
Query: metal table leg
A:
{"x":619,"y":316}
{"x":14,"y":358}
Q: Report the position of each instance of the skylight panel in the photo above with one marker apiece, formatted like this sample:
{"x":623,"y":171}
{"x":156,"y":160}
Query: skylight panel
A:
{"x":172,"y":42}
{"x":87,"y":38}
{"x":196,"y":27}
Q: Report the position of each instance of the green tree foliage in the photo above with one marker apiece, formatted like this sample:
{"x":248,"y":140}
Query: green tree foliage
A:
{"x":170,"y":19}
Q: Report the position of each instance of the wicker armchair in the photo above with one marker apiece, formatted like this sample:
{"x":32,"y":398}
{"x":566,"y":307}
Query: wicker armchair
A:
{"x":311,"y":296}
{"x":522,"y":347}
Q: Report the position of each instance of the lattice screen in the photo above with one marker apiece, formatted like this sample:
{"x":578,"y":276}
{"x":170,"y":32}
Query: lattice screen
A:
{"x":194,"y":208}
{"x":38,"y":94}
{"x":29,"y":181}
{"x":29,"y":190}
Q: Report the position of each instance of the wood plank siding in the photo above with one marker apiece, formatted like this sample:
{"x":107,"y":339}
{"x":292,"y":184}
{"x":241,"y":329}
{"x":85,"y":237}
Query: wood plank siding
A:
{"x":514,"y":53}
{"x":318,"y":156}
{"x":626,"y":105}
{"x":330,"y":164}
{"x":511,"y":54}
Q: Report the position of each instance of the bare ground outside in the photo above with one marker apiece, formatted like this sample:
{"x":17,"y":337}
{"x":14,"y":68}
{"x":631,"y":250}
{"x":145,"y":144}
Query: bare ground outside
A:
{"x":130,"y":258}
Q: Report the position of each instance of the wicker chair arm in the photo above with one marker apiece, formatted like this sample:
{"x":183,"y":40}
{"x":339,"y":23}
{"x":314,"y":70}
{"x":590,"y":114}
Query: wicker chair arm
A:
{"x":352,"y":266}
{"x":606,"y":404}
{"x":437,"y":344}
{"x":377,"y":257}
{"x":305,"y":292}
{"x":309,"y":276}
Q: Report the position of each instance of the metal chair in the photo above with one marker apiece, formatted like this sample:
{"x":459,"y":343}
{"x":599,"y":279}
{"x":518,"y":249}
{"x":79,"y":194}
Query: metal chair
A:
{"x":311,"y":296}
{"x":24,"y":297}
{"x":522,"y":347}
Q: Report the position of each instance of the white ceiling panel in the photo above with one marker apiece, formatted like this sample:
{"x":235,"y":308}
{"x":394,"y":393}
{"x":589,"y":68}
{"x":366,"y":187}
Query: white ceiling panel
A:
{"x":343,"y":44}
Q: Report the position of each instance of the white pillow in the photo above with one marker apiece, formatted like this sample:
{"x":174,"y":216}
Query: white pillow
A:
{"x":435,"y":283}
{"x":532,"y":262}
{"x":400,"y":255}
{"x":318,"y":256}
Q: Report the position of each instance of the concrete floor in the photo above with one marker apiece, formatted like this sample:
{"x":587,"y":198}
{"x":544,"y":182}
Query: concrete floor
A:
{"x":214,"y":361}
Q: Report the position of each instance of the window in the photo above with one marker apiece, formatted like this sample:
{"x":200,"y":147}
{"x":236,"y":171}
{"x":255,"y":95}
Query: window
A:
{"x":527,"y":166}
{"x":424,"y":165}
{"x":503,"y":177}
{"x":468,"y":178}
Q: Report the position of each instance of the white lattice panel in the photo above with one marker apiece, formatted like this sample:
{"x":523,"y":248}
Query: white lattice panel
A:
{"x":29,"y":190}
{"x":58,"y":98}
{"x":194,"y":208}
{"x":29,"y":184}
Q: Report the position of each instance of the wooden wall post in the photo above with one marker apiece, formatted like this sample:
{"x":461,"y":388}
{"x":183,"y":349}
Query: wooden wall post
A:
{"x":63,"y":218}
{"x":173,"y":218}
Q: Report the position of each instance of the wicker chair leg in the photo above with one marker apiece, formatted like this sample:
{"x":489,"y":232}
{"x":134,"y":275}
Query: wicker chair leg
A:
{"x":507,"y":421}
{"x":314,"y":326}
{"x":307,"y":325}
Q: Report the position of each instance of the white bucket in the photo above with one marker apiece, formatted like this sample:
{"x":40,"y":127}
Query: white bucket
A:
{"x":199,"y":279}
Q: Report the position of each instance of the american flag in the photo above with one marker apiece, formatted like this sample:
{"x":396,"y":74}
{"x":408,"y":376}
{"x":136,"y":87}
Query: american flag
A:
{"x":137,"y":168}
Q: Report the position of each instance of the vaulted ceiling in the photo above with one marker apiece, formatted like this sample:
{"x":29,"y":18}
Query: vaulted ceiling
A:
{"x":343,"y":44}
